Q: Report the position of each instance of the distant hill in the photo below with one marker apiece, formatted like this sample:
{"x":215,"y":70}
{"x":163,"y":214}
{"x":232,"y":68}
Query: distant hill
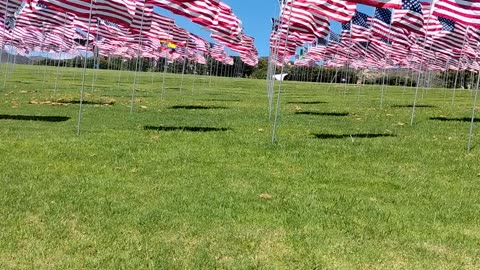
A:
{"x":20,"y":59}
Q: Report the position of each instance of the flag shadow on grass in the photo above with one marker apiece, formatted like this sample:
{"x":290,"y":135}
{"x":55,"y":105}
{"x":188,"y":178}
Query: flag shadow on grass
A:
{"x":73,"y":102}
{"x":323,"y":113}
{"x":196,"y":107}
{"x":225,"y":100}
{"x":34,"y":118}
{"x":184,"y":128}
{"x":307,"y":102}
{"x":459,"y":119}
{"x":325,"y":136}
{"x":416,"y":106}
{"x":21,"y":82}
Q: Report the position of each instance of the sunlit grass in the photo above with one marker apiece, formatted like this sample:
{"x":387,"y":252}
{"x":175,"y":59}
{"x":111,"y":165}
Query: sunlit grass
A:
{"x":351,"y":185}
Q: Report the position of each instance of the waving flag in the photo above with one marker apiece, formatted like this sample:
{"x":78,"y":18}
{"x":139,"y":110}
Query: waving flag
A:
{"x":9,"y":12}
{"x":410,"y":17}
{"x":380,"y":3}
{"x":358,"y":27}
{"x":202,"y":12}
{"x":226,"y":23}
{"x":117,"y":11}
{"x":337,"y":10}
{"x":296,"y":17}
{"x":466,"y":12}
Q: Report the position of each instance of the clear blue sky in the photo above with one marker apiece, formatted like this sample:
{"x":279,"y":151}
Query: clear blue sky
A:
{"x":256,"y":17}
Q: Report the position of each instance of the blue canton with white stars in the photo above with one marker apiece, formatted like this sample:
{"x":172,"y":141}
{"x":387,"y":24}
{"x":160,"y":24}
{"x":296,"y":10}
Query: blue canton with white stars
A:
{"x":384,"y":15}
{"x":413,"y":5}
{"x":447,"y":24}
{"x":360,"y":19}
{"x":334,"y":37}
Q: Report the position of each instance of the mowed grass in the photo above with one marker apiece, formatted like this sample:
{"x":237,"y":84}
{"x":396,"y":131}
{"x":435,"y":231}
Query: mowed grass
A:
{"x":349,"y":185}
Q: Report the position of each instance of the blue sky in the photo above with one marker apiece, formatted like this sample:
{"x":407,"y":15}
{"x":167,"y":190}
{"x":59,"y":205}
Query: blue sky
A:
{"x":256,"y":16}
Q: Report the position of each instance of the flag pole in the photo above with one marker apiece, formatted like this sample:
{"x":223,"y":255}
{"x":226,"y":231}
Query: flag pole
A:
{"x":459,"y":65}
{"x":8,"y":57}
{"x":139,"y":50}
{"x":421,"y":65}
{"x":165,"y":66}
{"x":470,"y":136}
{"x":183,"y":68}
{"x":194,"y":75}
{"x":82,"y":94}
{"x":277,"y":108}
{"x":96,"y":58}
{"x":272,"y":62}
{"x":58,"y":67}
{"x":3,"y":33}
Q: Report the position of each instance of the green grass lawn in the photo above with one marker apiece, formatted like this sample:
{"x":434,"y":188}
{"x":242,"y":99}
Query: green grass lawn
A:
{"x":348,"y":185}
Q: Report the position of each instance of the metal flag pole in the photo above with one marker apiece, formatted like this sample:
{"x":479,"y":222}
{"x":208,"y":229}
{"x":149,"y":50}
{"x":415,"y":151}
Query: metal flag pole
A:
{"x":382,"y":96}
{"x":428,"y":75}
{"x":459,"y":64}
{"x":154,"y":70}
{"x":421,"y":65}
{"x":211,"y":72}
{"x":58,"y":67}
{"x":470,"y":136}
{"x":272,"y":61}
{"x":194,"y":75}
{"x":183,"y":68}
{"x":272,"y":64}
{"x":444,"y":80}
{"x":96,"y":58}
{"x":45,"y":66}
{"x":347,"y":63}
{"x":3,"y":33}
{"x":139,"y":51}
{"x":7,"y":66}
{"x":120,"y":70}
{"x":277,"y":108}
{"x":84,"y":72}
{"x":165,"y":66}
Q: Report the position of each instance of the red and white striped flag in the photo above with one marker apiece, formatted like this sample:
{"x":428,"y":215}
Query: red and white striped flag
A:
{"x":380,"y":3}
{"x":337,"y":10}
{"x":462,"y":11}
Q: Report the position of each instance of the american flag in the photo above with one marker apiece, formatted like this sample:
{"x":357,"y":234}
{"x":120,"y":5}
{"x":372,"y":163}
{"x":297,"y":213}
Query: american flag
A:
{"x":226,"y":23}
{"x":334,"y":37}
{"x":380,"y":3}
{"x":382,"y":27}
{"x":142,"y":18}
{"x":462,"y":11}
{"x":217,"y":52}
{"x":201,"y":44}
{"x":381,"y":23}
{"x":337,"y":10}
{"x":202,"y":12}
{"x":432,"y":24}
{"x":10,"y":23}
{"x":9,"y":12}
{"x":452,"y":35}
{"x":358,"y":27}
{"x":118,"y":11}
{"x":410,"y":17}
{"x":250,"y":60}
{"x":296,"y":18}
{"x":41,"y":15}
{"x":245,"y":46}
{"x":228,"y":61}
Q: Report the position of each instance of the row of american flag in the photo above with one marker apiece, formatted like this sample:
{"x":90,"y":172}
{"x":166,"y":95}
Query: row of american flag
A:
{"x":438,"y":35}
{"x":124,"y":28}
